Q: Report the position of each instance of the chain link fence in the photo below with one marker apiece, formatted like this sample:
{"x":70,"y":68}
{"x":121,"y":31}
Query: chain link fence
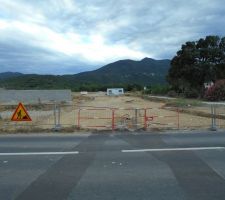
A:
{"x":70,"y":117}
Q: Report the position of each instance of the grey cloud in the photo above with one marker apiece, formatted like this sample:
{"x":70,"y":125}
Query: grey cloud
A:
{"x":29,"y":59}
{"x":156,"y":28}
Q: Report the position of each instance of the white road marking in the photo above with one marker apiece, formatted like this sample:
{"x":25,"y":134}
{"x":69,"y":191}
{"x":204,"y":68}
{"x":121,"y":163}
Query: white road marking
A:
{"x":39,"y":153}
{"x":174,"y":149}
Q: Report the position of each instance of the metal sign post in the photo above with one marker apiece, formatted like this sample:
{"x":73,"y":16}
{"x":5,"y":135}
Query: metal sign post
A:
{"x":213,"y":114}
{"x":57,"y":112}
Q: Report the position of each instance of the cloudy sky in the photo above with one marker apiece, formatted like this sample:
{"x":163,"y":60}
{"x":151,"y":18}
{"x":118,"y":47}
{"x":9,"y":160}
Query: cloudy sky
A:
{"x":70,"y":36}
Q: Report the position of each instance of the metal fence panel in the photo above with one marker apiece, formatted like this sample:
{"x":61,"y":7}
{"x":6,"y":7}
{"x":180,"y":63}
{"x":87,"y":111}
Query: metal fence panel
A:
{"x":42,"y":117}
{"x":96,"y":118}
{"x":57,"y":116}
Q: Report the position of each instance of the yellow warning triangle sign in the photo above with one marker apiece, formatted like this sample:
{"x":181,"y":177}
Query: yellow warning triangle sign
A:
{"x":20,"y":114}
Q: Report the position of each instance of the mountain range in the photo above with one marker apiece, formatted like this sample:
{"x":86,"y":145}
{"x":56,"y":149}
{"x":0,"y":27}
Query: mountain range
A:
{"x":144,"y":72}
{"x":6,"y":75}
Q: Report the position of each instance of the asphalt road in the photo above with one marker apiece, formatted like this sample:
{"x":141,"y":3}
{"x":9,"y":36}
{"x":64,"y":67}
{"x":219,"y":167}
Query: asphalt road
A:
{"x":113,"y":166}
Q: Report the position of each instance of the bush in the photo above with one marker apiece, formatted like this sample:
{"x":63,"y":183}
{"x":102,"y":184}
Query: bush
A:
{"x":216,"y":92}
{"x":172,"y":93}
{"x":159,"y":89}
{"x":191,"y":93}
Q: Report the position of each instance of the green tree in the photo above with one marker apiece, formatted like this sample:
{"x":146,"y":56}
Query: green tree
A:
{"x":197,"y":62}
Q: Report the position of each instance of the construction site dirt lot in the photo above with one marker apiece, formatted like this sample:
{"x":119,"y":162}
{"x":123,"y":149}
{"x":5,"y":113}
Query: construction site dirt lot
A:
{"x":97,"y":111}
{"x":164,"y":116}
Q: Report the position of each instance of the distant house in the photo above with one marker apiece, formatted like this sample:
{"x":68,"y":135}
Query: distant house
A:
{"x":83,"y":92}
{"x":208,"y":85}
{"x":115,"y":91}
